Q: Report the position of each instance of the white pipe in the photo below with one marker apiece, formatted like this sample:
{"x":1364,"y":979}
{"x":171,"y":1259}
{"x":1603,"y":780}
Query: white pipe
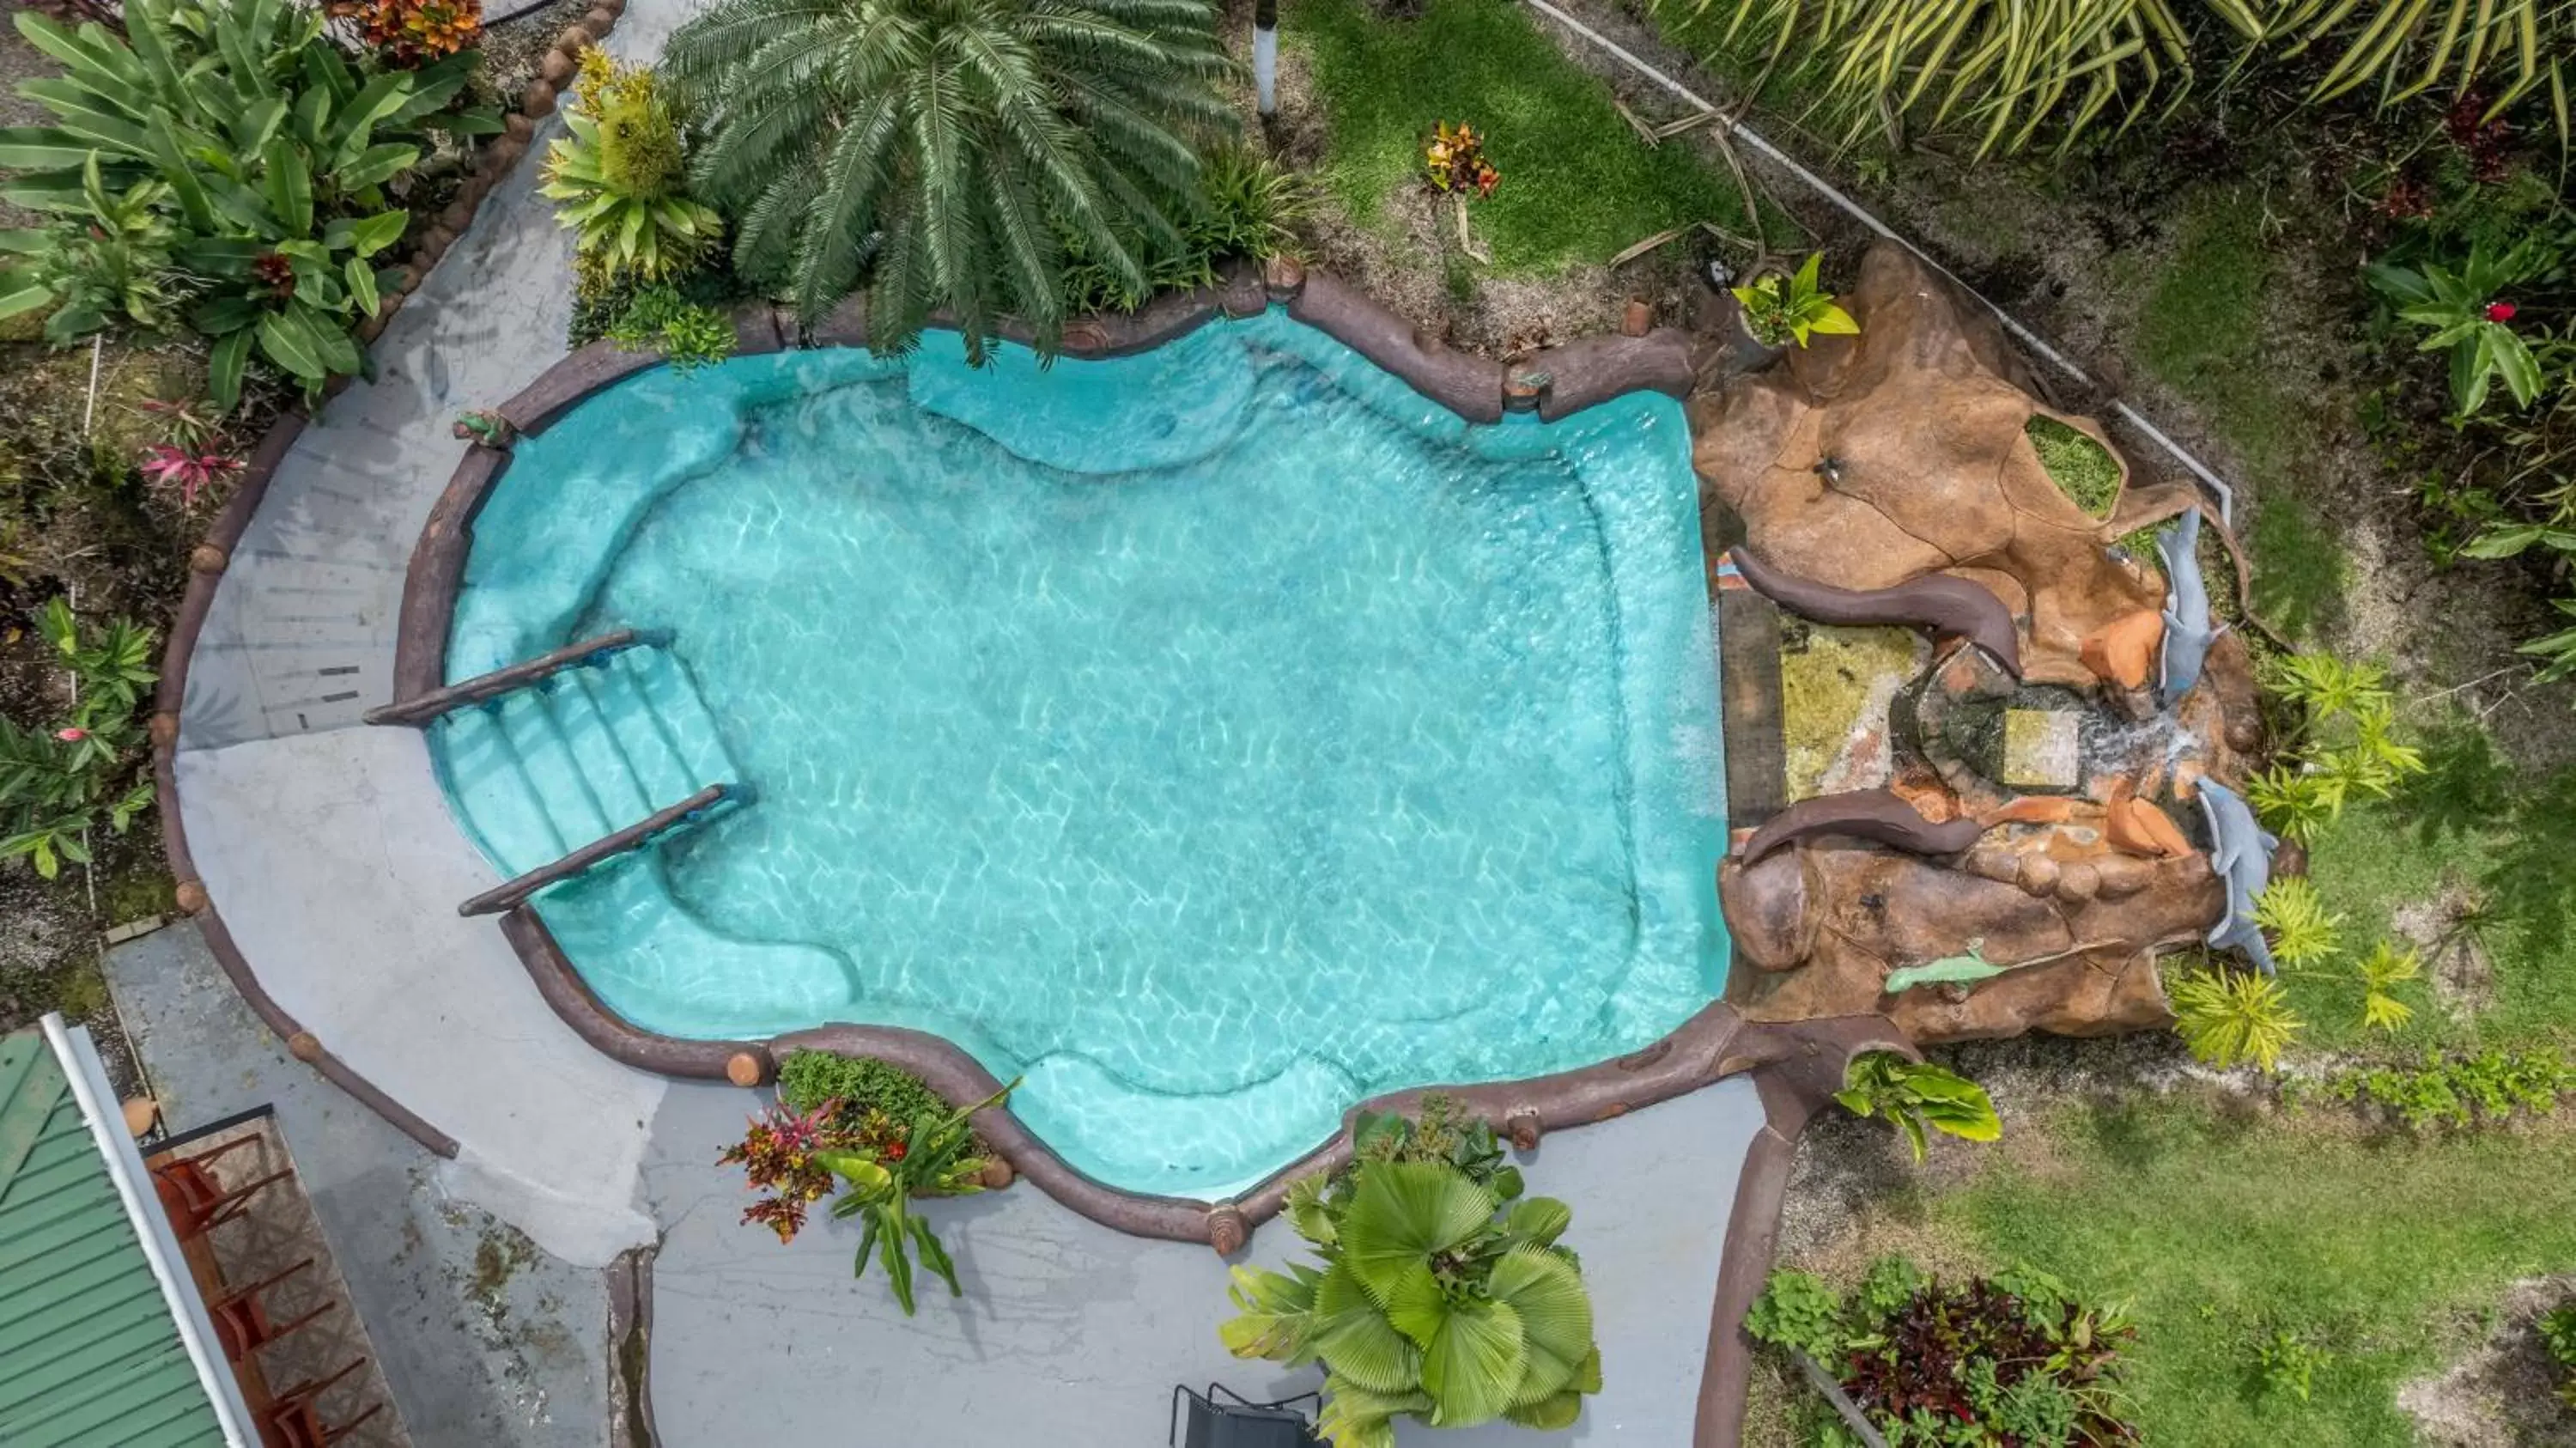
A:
{"x":125,"y":1168}
{"x":1265,"y":67}
{"x":1818,"y":184}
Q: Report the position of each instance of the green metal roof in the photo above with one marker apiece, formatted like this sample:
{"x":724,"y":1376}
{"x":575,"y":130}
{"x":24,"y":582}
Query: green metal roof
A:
{"x":89,"y":1351}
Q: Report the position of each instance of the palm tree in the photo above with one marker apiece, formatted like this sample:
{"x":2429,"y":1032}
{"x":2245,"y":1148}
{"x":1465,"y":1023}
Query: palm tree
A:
{"x":943,"y":152}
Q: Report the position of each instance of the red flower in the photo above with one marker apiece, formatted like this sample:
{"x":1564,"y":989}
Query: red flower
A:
{"x":894,"y":1152}
{"x":276,"y":271}
{"x":71,"y":736}
{"x":2501,"y":311}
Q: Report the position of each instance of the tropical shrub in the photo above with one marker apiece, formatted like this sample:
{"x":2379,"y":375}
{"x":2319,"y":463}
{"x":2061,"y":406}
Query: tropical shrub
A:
{"x":2013,"y":73}
{"x":2232,"y":1016}
{"x":2341,"y":742}
{"x":276,"y":152}
{"x":1440,"y":1292}
{"x":620,"y":175}
{"x":2008,"y":1361}
{"x":1249,"y":208}
{"x":934,"y":1158}
{"x":106,"y":264}
{"x":828,"y":1103}
{"x":937,"y":155}
{"x":810,"y":1079}
{"x":2468,"y":317}
{"x":1781,"y":309}
{"x":1917,"y":1094}
{"x":2295,"y":917}
{"x":2456,"y":1089}
{"x":688,"y":334}
{"x":58,"y":786}
{"x":2557,"y":1331}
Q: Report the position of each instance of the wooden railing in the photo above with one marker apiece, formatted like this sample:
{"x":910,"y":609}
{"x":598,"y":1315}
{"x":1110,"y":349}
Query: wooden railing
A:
{"x":502,"y":897}
{"x":429,"y":706}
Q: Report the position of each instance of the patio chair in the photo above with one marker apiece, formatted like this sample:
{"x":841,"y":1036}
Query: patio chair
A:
{"x":1240,"y":1423}
{"x":295,"y":1421}
{"x":242,"y":1321}
{"x":194,"y":1201}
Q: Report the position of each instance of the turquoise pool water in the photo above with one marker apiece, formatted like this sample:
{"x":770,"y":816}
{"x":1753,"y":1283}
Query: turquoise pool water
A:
{"x":1216,"y":737}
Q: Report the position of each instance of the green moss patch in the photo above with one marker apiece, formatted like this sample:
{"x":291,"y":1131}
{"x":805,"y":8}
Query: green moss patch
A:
{"x":2083,"y":469}
{"x":1578,"y":184}
{"x":1826,"y":689}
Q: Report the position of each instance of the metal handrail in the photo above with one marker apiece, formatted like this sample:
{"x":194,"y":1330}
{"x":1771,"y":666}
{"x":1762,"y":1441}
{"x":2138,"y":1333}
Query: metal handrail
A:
{"x":428,"y":707}
{"x":501,"y":897}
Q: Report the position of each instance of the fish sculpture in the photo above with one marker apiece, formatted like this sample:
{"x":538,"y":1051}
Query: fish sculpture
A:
{"x":2188,"y":632}
{"x":2241,"y":853}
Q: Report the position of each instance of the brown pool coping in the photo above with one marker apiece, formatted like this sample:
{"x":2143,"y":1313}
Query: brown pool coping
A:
{"x":1795,"y":1066}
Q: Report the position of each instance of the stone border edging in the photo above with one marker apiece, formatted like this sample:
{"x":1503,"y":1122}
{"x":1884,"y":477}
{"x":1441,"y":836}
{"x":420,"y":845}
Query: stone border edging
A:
{"x":208,"y":560}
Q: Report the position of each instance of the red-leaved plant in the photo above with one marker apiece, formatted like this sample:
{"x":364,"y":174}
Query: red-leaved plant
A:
{"x":778,"y":1156}
{"x":168,"y":466}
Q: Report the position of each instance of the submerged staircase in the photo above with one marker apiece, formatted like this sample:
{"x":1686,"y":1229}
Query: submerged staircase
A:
{"x":564,"y":761}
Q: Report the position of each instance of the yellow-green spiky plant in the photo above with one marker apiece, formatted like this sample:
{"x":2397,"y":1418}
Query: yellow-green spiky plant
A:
{"x":620,"y":177}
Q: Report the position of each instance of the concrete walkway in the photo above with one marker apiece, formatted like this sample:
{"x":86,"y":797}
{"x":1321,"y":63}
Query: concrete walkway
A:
{"x":485,"y":1339}
{"x":327,"y":845}
{"x":1072,"y":1334}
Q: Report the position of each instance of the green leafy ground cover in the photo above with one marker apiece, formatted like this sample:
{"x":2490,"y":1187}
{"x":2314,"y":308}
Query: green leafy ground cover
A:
{"x":1578,"y":185}
{"x":2223,"y":1232}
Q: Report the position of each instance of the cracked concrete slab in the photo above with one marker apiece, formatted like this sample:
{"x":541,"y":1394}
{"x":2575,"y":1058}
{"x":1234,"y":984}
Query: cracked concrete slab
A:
{"x":485,"y":1339}
{"x":1071,"y":1333}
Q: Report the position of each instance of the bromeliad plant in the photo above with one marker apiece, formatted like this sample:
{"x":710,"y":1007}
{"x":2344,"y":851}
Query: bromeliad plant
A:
{"x":620,"y":176}
{"x":1918,"y":1094}
{"x":57,"y":787}
{"x":408,"y":33}
{"x":935,"y":1158}
{"x":1783,"y":308}
{"x":1441,"y":1293}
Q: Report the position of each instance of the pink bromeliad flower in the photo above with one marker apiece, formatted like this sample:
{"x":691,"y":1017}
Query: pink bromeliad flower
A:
{"x":2501,"y":311}
{"x":166,"y":466}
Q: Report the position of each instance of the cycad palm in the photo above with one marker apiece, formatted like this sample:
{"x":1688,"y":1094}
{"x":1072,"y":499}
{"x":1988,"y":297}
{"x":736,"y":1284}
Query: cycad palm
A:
{"x":938,"y":151}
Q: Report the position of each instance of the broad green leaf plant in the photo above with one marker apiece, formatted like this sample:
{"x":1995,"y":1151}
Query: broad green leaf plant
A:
{"x":107,"y":263}
{"x":936,"y":1160}
{"x":1783,"y":308}
{"x":1916,"y":1095}
{"x":271,"y":150}
{"x":1440,"y":1293}
{"x":2467,"y":316}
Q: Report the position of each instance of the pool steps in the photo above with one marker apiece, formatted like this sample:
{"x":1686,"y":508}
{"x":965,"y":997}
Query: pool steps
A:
{"x":611,"y":747}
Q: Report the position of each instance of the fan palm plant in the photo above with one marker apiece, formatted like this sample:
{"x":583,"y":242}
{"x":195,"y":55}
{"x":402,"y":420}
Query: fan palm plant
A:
{"x":939,"y":152}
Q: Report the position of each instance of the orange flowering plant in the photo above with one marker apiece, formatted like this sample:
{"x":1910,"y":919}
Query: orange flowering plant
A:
{"x":414,"y":32}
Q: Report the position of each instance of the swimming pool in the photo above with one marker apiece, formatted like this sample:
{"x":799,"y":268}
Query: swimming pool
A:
{"x":1216,"y":736}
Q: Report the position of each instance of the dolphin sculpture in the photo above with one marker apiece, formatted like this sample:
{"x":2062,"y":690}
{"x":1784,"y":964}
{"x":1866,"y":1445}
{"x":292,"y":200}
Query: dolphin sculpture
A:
{"x":2188,"y":633}
{"x":2241,"y":853}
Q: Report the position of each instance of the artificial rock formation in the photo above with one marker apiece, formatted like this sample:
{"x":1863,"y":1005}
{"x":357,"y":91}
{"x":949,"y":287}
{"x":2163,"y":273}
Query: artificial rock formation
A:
{"x":2057,"y":827}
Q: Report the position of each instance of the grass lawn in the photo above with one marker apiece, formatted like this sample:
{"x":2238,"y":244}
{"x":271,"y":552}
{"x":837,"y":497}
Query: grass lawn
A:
{"x":2220,"y":1233}
{"x":1577,"y":183}
{"x":2504,"y":846}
